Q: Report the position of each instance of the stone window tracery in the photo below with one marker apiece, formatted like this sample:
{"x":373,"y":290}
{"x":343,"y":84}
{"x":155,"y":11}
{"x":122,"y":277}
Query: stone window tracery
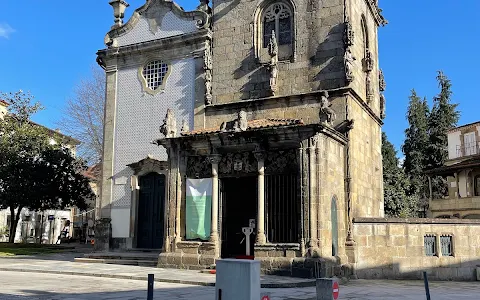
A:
{"x":154,"y":74}
{"x":277,"y":18}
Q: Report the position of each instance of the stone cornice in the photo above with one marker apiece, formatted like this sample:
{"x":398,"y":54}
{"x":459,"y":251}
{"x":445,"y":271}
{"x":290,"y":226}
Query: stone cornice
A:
{"x":376,"y":12}
{"x":203,"y":19}
{"x":263,"y":101}
{"x":177,"y":41}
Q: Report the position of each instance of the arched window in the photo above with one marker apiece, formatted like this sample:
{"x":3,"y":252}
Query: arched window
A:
{"x":365,"y":41}
{"x":334,"y":220}
{"x":278,"y":17}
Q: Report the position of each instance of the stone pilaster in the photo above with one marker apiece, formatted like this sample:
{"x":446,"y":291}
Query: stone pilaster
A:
{"x":261,"y":238}
{"x":313,"y":242}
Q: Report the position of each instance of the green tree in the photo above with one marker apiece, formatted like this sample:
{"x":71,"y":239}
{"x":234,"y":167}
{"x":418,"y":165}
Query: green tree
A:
{"x":443,"y":117}
{"x":35,"y":173}
{"x":395,"y":184}
{"x":415,"y":147}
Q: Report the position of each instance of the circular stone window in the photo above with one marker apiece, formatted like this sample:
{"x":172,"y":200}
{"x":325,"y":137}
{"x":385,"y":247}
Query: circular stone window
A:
{"x":154,"y":75}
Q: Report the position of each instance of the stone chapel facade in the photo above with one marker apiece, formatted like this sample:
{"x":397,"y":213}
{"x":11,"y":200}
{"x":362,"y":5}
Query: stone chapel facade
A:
{"x":279,"y":102}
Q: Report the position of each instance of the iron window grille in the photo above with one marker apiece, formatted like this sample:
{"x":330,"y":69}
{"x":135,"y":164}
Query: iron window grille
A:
{"x":154,"y":73}
{"x":430,"y":245}
{"x":446,"y":244}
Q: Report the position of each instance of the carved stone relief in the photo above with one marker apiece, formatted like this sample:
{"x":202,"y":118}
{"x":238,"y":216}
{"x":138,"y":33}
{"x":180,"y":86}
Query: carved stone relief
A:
{"x":369,"y":87}
{"x":237,"y":125}
{"x":198,"y":167}
{"x":240,"y":162}
{"x":208,"y":66}
{"x":327,"y":114}
{"x":281,"y":162}
{"x":348,"y":61}
{"x":169,"y":126}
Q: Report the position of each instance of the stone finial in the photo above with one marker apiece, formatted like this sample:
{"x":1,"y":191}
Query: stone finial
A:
{"x":273,"y":64}
{"x":208,"y":66}
{"x":348,"y":60}
{"x":169,"y":126}
{"x":185,"y":128}
{"x":119,"y":7}
{"x":326,"y":110}
{"x":369,"y":88}
{"x":368,"y":61}
{"x":242,"y":123}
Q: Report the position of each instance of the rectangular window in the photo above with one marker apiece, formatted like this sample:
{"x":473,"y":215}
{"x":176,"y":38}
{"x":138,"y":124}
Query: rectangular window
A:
{"x":282,"y":208}
{"x":447,"y":245}
{"x":430,"y":245}
{"x":470,"y":143}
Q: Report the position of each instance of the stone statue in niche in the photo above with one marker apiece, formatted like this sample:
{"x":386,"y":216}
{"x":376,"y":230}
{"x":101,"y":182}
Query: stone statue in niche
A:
{"x":185,"y":128}
{"x":207,"y":66}
{"x":169,"y":126}
{"x":381,"y":81}
{"x":382,"y":106}
{"x":325,"y":108}
{"x":273,"y":64}
{"x":348,"y":60}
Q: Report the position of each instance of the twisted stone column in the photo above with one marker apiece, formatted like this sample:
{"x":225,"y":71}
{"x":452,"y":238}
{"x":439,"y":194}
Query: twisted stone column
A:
{"x":214,"y":160}
{"x":261,"y":238}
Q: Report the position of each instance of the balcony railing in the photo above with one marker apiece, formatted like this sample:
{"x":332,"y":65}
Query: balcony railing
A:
{"x":467,"y":150}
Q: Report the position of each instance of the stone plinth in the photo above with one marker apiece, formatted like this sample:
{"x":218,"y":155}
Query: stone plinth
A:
{"x":237,"y":279}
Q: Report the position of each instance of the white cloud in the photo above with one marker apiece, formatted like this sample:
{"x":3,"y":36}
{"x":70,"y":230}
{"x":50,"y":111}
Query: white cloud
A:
{"x":5,"y":30}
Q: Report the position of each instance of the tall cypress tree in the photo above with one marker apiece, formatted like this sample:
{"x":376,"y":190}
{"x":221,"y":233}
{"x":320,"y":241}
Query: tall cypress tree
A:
{"x":415,"y":147}
{"x":443,"y":117}
{"x":395,"y":184}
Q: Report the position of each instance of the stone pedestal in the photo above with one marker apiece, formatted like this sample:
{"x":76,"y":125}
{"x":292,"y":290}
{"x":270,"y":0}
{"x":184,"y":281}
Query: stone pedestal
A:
{"x":103,"y":234}
{"x":237,"y":279}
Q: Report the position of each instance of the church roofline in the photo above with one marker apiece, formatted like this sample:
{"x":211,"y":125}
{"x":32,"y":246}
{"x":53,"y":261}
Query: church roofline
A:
{"x":202,"y":18}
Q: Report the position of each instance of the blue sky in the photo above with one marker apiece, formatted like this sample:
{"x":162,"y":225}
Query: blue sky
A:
{"x":46,"y":47}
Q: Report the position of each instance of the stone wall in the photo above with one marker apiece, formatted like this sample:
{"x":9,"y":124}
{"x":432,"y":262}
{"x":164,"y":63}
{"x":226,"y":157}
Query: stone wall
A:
{"x":456,"y":207}
{"x":365,"y":153}
{"x":318,"y":46}
{"x":394,"y":248}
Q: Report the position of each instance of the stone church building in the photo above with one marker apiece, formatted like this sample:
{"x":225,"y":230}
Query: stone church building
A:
{"x":277,"y":103}
{"x":252,"y":114}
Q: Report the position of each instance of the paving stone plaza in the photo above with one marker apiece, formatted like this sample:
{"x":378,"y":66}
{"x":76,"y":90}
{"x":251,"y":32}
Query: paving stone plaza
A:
{"x":47,"y":277}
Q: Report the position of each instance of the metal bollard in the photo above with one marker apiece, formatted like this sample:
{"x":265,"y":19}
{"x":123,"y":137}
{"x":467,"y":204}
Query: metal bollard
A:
{"x":150,"y":287}
{"x":427,"y":289}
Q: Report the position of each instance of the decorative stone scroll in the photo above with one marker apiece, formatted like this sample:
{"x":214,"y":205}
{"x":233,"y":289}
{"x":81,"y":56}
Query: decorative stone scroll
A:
{"x":208,"y":66}
{"x":326,"y":110}
{"x":273,"y":64}
{"x":169,"y":126}
{"x":381,"y":81}
{"x":198,"y":167}
{"x":348,"y":61}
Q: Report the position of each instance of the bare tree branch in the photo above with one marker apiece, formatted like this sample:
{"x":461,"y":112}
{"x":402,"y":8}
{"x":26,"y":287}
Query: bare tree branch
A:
{"x":84,"y":115}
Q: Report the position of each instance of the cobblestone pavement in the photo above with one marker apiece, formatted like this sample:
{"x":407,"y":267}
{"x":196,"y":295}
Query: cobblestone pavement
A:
{"x":30,"y":286}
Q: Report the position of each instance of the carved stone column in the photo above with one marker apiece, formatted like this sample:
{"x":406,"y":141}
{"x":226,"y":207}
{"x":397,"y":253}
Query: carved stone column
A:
{"x":261,"y":238}
{"x":313,"y":195}
{"x":214,"y":160}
